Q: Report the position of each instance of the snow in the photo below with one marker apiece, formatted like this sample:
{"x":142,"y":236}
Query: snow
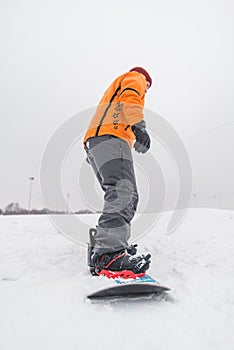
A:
{"x":43,"y":281}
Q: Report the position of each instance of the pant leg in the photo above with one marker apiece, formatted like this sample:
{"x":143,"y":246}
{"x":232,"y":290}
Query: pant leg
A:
{"x":111,"y":160}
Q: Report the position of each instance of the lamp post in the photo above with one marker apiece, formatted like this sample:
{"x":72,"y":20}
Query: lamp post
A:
{"x":68,"y":197}
{"x":30,"y":193}
{"x":196,"y":200}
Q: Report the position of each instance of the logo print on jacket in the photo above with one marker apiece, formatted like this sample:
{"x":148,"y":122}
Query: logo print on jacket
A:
{"x":118,"y":109}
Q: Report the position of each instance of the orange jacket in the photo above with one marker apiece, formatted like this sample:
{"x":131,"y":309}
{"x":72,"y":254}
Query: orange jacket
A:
{"x":120,"y":107}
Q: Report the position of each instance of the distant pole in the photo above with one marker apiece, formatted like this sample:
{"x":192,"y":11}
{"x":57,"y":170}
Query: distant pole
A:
{"x":219,"y":200}
{"x":196,"y":200}
{"x":30,"y":193}
{"x":68,"y":197}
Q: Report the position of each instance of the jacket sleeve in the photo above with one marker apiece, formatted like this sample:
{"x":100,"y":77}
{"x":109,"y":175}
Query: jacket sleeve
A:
{"x":132,"y":96}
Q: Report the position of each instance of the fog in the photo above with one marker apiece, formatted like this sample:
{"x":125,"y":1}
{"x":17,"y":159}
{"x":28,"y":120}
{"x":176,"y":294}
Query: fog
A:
{"x":58,"y":57}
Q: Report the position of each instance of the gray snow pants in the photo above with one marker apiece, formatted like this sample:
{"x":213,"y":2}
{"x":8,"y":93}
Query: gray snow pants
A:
{"x":111,"y":160}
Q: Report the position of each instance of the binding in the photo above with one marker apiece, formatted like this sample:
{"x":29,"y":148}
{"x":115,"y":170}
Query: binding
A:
{"x":92,"y":234}
{"x":125,"y":274}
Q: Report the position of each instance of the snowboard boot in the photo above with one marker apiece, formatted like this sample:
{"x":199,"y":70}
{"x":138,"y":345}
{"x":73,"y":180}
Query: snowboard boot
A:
{"x":120,"y":261}
{"x":117,"y":261}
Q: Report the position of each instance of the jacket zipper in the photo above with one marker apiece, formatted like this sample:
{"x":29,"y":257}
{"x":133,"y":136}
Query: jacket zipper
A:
{"x":106,"y":110}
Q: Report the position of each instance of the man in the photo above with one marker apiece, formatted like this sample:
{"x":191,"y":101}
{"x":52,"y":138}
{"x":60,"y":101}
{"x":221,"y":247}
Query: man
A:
{"x":116,"y":124}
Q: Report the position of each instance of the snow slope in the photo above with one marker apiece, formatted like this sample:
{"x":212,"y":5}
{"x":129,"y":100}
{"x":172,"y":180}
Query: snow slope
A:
{"x":43,"y":279}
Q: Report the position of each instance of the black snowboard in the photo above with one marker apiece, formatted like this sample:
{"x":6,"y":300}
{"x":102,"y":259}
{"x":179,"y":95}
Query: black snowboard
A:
{"x":142,"y":286}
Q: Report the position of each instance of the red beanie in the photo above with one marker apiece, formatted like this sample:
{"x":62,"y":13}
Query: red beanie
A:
{"x":142,"y":71}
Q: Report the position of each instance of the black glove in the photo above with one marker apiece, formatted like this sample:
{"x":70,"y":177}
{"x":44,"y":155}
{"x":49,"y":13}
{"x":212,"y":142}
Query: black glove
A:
{"x":142,"y":143}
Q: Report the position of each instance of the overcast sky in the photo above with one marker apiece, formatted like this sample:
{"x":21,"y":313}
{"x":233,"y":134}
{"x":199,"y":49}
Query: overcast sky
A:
{"x":58,"y":57}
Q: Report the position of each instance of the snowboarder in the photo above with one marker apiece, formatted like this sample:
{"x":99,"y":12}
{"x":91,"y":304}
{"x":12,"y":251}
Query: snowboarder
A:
{"x":116,"y":124}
